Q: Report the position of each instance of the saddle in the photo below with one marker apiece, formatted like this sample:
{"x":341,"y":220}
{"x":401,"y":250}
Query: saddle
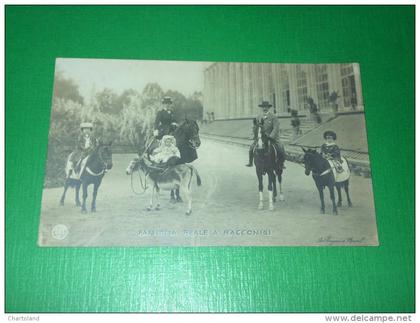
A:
{"x":76,"y":170}
{"x":159,"y":169}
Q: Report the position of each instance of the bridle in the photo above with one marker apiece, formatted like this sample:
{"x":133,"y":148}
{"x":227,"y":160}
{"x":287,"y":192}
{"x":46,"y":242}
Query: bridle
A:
{"x":101,"y":160}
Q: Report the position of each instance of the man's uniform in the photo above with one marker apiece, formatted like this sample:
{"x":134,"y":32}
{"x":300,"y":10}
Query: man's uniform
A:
{"x":271,"y":128}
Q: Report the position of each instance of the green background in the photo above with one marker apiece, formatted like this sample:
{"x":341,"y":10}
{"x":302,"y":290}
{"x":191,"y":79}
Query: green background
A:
{"x":338,"y":279}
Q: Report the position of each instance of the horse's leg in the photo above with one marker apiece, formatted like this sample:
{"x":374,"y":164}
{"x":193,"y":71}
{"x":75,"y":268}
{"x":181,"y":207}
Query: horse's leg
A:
{"x":84,"y":196}
{"x":150,"y":207}
{"x":332,"y":196}
{"x":260,"y":189}
{"x":346,"y":189}
{"x":173,"y":196}
{"x":66,"y":186}
{"x":76,"y":193}
{"x":186,"y":192}
{"x":321,"y":197}
{"x":157,"y":207}
{"x":338,"y":186}
{"x":281,"y":196}
{"x":271,"y":181}
{"x":274,"y":187}
{"x":95,"y":192}
{"x":178,"y":197}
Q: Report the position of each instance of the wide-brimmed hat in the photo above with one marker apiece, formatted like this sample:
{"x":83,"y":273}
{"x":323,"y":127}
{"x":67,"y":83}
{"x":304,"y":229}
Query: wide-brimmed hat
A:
{"x":330,"y":133}
{"x":167,"y":100}
{"x":86,"y":125}
{"x":265,"y":104}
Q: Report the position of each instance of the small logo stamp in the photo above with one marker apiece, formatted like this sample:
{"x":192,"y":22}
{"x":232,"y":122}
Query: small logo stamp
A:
{"x":59,"y":232}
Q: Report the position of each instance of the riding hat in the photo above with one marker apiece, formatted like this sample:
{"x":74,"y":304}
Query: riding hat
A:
{"x":85,"y":125}
{"x":167,"y":100}
{"x":265,"y":104}
{"x":330,"y":133}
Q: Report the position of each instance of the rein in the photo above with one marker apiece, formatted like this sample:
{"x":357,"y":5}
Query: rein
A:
{"x":101,"y":160}
{"x":325,"y":172}
{"x":143,"y":186}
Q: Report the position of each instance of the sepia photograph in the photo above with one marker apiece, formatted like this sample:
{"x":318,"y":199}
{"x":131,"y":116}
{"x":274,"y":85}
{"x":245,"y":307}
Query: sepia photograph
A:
{"x":190,"y":153}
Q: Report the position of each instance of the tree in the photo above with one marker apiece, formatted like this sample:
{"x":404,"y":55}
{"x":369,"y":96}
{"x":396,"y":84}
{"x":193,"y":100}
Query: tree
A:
{"x":107,"y":101}
{"x":151,"y":96}
{"x":66,"y":89}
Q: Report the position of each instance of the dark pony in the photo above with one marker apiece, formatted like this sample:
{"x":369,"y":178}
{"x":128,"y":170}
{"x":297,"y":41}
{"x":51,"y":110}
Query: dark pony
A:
{"x":322,"y":174}
{"x":266,"y":162}
{"x":187,"y":140}
{"x":99,"y":161}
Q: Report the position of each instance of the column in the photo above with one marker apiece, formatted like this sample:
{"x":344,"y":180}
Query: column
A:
{"x":358,"y":81}
{"x":205,"y":93}
{"x":276,"y":72}
{"x":334,"y":82}
{"x":311,"y":82}
{"x":293,"y":92}
{"x":239,"y":91}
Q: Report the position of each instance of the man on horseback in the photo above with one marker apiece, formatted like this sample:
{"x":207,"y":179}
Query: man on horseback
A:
{"x":86,"y":143}
{"x":271,"y":128}
{"x":331,"y":151}
{"x":165,"y":119}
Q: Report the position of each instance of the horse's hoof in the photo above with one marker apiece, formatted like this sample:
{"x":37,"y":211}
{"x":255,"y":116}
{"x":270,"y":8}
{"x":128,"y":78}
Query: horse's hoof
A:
{"x":188,"y":212}
{"x":93,"y":210}
{"x":271,"y":207}
{"x":157,"y":208}
{"x":339,"y":204}
{"x":281,"y":197}
{"x":149,"y":208}
{"x":350,"y":204}
{"x":260,"y":206}
{"x":61,"y":203}
{"x":78,"y":204}
{"x":179,"y":200}
{"x":335,"y":212}
{"x":84,"y":211}
{"x":322,"y":211}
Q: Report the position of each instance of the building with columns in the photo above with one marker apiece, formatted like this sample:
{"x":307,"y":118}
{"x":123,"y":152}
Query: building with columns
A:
{"x":234,"y":90}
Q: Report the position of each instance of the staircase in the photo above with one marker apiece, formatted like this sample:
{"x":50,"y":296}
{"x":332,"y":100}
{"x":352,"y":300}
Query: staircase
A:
{"x":306,"y":125}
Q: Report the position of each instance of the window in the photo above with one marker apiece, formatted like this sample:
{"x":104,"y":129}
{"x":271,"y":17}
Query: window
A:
{"x":322,"y":87}
{"x":302,"y":87}
{"x":349,"y":85}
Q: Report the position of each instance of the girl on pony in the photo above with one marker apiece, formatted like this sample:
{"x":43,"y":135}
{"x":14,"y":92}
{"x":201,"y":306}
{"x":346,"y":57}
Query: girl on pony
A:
{"x":331,"y":151}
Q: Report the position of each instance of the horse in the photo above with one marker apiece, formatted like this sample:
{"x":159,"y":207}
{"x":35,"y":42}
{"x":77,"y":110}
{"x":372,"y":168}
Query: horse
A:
{"x":177,"y":177}
{"x":266,"y":162}
{"x":96,"y":165}
{"x":325,"y":175}
{"x":187,"y":140}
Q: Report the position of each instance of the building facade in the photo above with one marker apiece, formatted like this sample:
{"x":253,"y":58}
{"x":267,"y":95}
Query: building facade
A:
{"x":234,"y":90}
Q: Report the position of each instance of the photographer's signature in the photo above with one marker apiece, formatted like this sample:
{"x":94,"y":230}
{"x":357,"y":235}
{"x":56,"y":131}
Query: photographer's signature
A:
{"x":330,"y":239}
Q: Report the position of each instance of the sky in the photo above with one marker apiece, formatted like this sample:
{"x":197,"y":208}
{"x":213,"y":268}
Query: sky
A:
{"x":119,"y":75}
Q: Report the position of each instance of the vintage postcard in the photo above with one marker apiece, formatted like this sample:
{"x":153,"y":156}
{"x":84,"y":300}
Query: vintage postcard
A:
{"x":174,"y":153}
